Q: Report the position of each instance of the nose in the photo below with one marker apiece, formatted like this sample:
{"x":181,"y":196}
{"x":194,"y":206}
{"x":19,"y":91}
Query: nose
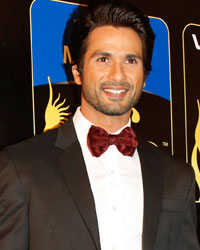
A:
{"x":116,"y":72}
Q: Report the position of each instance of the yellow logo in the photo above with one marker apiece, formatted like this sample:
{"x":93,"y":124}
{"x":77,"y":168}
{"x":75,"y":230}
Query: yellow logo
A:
{"x":135,"y":116}
{"x":54,"y":113}
{"x":196,"y":150}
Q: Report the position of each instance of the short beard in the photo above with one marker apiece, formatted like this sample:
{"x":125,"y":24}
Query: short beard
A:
{"x":107,"y":109}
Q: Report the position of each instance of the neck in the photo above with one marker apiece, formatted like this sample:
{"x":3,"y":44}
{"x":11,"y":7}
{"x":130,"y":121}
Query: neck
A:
{"x":109,"y":123}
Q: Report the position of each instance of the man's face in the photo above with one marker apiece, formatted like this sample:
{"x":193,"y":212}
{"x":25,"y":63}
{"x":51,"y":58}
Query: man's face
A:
{"x":112,"y":77}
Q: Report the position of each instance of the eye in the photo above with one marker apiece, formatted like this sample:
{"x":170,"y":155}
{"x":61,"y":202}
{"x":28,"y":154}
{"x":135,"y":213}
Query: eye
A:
{"x":131,"y":60}
{"x":102,"y":59}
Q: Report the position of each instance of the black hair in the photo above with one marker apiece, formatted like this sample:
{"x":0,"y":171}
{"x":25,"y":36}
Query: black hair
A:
{"x":117,"y":14}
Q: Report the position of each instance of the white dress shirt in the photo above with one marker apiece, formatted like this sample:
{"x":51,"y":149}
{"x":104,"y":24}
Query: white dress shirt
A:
{"x":116,"y":183}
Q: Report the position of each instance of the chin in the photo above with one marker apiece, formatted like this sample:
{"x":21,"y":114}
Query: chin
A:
{"x":113,"y":112}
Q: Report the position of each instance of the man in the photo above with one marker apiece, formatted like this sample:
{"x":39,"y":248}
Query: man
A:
{"x":65,"y":190}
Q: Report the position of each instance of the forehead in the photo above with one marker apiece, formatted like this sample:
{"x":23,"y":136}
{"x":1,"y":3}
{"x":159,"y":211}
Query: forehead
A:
{"x":114,"y":39}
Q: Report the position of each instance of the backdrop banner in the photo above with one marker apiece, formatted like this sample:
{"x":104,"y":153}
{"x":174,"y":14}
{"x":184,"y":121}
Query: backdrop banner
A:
{"x":53,"y":86}
{"x":37,"y":92}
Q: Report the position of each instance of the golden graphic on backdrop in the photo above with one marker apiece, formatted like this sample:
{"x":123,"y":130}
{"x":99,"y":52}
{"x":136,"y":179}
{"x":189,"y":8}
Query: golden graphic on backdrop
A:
{"x":135,"y":116}
{"x":67,"y":54}
{"x":196,"y":150}
{"x":54,"y":113}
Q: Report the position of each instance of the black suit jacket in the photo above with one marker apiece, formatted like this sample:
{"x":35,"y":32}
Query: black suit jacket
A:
{"x":46,"y":201}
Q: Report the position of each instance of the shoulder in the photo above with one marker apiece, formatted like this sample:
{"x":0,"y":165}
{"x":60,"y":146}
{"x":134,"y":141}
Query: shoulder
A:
{"x":40,"y":144}
{"x":26,"y":156}
{"x":35,"y":151}
{"x":159,"y":156}
{"x":33,"y":145}
{"x":173,"y":171}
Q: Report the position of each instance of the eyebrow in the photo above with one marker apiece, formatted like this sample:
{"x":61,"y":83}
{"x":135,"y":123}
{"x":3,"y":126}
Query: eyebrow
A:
{"x":108,"y":54}
{"x":130,"y":56}
{"x":101,"y":53}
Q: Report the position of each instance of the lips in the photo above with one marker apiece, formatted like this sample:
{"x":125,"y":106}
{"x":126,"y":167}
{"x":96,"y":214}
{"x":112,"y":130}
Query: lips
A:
{"x":115,"y":93}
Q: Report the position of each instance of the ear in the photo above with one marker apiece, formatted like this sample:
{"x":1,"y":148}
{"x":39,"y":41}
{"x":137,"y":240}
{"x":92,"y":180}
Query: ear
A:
{"x":76,"y":74}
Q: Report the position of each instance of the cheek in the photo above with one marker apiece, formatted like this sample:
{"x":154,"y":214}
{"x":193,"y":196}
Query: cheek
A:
{"x":138,"y":77}
{"x":93,"y":76}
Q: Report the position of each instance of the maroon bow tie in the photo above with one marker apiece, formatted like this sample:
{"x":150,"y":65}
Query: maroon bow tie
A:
{"x":99,"y":140}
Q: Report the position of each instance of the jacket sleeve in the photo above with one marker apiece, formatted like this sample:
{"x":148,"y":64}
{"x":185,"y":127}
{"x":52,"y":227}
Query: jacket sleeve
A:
{"x":188,"y":239}
{"x":13,"y":207}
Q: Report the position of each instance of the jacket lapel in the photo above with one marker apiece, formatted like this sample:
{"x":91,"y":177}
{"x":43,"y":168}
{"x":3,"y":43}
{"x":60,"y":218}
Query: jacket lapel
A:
{"x":73,"y":168}
{"x":153,"y":189}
